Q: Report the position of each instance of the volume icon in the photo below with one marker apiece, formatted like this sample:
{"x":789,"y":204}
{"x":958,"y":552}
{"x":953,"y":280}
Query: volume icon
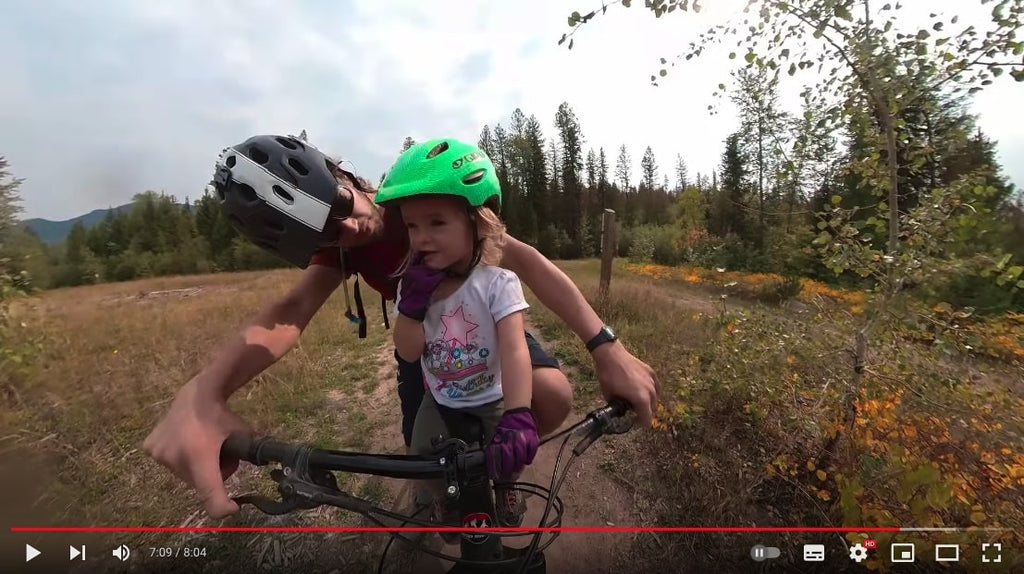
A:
{"x":122,"y":552}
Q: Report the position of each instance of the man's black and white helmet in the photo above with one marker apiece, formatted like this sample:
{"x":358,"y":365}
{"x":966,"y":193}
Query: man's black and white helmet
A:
{"x":279,"y":192}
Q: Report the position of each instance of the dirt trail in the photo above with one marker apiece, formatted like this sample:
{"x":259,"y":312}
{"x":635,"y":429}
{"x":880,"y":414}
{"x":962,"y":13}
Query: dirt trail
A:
{"x":590,"y":496}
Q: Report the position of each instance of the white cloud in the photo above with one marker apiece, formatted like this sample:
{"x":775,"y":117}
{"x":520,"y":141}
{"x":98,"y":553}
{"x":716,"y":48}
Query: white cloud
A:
{"x":101,"y":102}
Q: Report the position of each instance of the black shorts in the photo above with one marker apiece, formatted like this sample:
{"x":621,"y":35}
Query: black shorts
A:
{"x":411,"y":389}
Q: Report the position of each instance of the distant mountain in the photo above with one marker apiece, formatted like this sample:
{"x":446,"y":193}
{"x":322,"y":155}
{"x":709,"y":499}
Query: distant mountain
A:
{"x":57,"y":231}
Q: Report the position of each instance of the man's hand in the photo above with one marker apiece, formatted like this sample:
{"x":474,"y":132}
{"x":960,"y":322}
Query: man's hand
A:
{"x":187,"y":441}
{"x":622,"y":375}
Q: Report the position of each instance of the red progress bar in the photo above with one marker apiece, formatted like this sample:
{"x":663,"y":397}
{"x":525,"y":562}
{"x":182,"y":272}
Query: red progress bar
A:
{"x":436,"y":529}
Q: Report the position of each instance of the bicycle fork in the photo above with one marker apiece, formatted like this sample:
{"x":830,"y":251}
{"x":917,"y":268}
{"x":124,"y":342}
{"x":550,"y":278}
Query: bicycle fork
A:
{"x":477,"y":506}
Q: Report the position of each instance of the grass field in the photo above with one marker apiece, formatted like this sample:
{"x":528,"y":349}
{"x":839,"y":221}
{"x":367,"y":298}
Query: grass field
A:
{"x":750,"y":432}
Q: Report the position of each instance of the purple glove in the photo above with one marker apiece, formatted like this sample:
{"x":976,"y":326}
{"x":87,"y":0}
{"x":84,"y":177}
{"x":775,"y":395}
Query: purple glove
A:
{"x":514,"y":444}
{"x":418,"y":284}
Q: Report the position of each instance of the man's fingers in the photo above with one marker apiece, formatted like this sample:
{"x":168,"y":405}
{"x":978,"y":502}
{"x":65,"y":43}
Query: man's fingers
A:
{"x":643,"y":406}
{"x":209,"y":486}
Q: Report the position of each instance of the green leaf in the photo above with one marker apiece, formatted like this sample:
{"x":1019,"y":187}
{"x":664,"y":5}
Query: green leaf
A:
{"x":822,"y":225}
{"x":750,"y":57}
{"x":663,"y":72}
{"x":923,"y":34}
{"x":1020,"y":284}
{"x":836,"y":199}
{"x":1014,"y":272}
{"x":732,"y":55}
{"x":843,"y":13}
{"x":792,"y":69}
{"x":921,"y":50}
{"x":626,"y":3}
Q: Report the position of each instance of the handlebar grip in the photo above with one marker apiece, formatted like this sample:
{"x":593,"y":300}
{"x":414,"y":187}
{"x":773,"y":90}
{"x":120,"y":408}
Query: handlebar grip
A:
{"x":258,"y":451}
{"x":238,"y":446}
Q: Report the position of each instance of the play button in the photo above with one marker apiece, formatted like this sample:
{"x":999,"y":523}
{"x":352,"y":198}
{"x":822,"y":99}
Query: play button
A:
{"x":30,"y":552}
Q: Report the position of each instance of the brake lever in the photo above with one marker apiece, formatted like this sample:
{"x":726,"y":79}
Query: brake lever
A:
{"x":604,"y":421}
{"x":301,"y":487}
{"x":267,"y":505}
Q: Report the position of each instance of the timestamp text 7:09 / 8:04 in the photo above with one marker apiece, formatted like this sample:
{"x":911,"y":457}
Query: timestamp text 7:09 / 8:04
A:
{"x":169,"y":552}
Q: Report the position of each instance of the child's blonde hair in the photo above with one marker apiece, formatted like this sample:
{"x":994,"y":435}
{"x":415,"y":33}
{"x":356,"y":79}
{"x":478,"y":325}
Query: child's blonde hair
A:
{"x":490,"y":233}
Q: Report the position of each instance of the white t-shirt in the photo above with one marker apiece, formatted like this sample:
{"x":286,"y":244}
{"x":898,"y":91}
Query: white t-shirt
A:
{"x":461,"y":362}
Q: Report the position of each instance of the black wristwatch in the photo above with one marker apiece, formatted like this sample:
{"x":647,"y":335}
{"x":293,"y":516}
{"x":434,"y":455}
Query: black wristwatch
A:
{"x":605,"y":335}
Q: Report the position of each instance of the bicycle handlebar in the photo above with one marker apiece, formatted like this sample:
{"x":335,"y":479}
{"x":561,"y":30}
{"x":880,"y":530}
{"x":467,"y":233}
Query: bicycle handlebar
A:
{"x":263,"y":451}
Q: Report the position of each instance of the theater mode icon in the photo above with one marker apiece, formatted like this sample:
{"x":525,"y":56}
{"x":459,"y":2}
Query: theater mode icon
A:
{"x":947,"y":552}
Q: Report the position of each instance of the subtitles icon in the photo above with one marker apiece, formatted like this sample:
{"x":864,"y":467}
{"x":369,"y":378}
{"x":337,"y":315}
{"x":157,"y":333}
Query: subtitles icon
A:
{"x":814,"y":552}
{"x":122,"y":552}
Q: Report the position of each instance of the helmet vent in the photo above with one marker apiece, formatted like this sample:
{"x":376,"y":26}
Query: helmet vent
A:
{"x":287,"y":143}
{"x":437,"y":150}
{"x":248,"y":193}
{"x":474,"y":177}
{"x":284,"y":195}
{"x":259,"y":156}
{"x":297,"y":166}
{"x":230,"y":162}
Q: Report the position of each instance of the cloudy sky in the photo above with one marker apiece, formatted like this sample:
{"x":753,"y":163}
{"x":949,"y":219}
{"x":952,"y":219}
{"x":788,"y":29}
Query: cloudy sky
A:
{"x":101,"y":100}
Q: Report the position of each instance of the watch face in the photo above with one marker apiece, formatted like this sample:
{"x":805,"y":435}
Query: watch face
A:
{"x":609,"y":331}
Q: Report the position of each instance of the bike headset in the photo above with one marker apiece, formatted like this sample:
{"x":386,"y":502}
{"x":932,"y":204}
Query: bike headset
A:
{"x":287,"y":197}
{"x":446,"y":167}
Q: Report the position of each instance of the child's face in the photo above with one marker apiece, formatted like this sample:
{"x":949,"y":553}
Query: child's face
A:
{"x":440,"y":230}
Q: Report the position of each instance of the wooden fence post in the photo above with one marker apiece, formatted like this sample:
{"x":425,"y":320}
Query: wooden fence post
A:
{"x":608,"y":246}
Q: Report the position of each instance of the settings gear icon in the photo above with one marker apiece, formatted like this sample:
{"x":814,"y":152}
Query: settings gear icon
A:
{"x":858,"y":552}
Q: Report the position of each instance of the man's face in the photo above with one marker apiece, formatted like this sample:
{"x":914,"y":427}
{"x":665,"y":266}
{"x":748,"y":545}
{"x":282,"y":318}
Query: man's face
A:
{"x":364,"y":225}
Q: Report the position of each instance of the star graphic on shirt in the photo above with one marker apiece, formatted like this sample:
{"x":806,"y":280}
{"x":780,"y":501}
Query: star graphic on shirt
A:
{"x":456,"y":327}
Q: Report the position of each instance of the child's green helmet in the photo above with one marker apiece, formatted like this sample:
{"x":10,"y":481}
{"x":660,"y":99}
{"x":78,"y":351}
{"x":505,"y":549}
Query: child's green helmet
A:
{"x":445,"y":167}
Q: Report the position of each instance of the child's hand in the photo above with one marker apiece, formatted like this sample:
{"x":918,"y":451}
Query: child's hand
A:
{"x":418,"y":284}
{"x":514,"y":444}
